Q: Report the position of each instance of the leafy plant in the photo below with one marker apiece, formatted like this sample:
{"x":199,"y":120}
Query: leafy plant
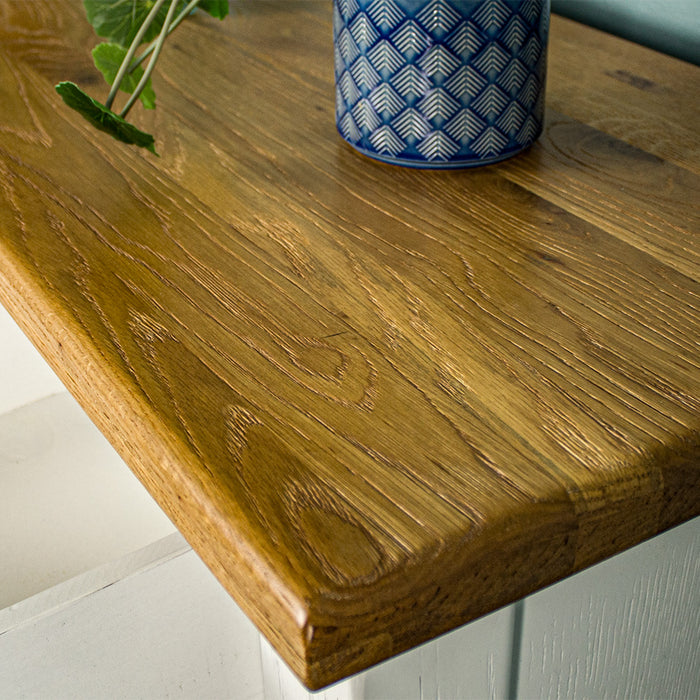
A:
{"x":127,"y":25}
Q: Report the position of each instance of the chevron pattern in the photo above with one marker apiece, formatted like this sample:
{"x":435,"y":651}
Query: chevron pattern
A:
{"x":440,"y":83}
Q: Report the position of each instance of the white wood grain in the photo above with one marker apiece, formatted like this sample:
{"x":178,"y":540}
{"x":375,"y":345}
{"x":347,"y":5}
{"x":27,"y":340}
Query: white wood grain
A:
{"x":24,"y":375}
{"x":472,"y":662}
{"x":626,"y":628}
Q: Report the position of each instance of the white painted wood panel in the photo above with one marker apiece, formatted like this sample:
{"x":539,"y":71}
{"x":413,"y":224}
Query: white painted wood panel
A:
{"x":470,"y":663}
{"x":626,"y":628}
{"x":279,"y":683}
{"x":68,"y":503}
{"x":154,"y":625}
{"x":24,"y":375}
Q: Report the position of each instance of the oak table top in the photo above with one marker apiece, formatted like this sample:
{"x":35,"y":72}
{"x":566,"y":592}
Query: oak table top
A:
{"x":378,"y":402}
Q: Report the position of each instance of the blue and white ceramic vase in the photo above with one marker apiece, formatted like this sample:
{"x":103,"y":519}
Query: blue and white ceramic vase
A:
{"x":440,"y":83}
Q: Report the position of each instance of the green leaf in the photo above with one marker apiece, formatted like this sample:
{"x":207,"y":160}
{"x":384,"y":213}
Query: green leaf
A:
{"x":119,"y":20}
{"x":216,"y":8}
{"x":108,"y":58}
{"x":102,"y":118}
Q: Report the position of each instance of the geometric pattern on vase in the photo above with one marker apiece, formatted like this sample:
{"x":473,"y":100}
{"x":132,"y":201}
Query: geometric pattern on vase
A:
{"x":440,"y":83}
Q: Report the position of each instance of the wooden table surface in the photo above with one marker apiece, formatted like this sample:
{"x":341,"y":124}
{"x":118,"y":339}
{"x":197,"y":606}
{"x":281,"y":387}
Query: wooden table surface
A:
{"x":378,"y":402}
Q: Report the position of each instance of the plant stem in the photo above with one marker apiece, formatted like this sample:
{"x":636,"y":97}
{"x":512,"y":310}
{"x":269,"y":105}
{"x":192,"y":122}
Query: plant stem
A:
{"x":176,"y":22}
{"x":152,"y":63}
{"x":130,"y":53}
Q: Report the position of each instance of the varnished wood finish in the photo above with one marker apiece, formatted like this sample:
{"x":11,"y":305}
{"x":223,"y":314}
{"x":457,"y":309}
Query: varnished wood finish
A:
{"x":378,"y":402}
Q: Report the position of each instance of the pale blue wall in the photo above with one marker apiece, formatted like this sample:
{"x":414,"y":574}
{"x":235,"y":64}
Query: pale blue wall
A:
{"x":671,"y":26}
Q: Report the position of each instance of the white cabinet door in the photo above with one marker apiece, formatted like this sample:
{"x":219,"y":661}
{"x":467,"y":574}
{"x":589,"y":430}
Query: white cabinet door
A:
{"x":154,"y":625}
{"x":626,"y":628}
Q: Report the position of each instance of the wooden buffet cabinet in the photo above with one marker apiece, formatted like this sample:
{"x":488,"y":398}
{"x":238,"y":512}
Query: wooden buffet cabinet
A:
{"x":378,"y":403}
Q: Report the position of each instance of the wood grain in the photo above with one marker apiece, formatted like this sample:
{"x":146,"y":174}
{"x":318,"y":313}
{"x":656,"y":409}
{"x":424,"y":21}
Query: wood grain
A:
{"x":378,"y":402}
